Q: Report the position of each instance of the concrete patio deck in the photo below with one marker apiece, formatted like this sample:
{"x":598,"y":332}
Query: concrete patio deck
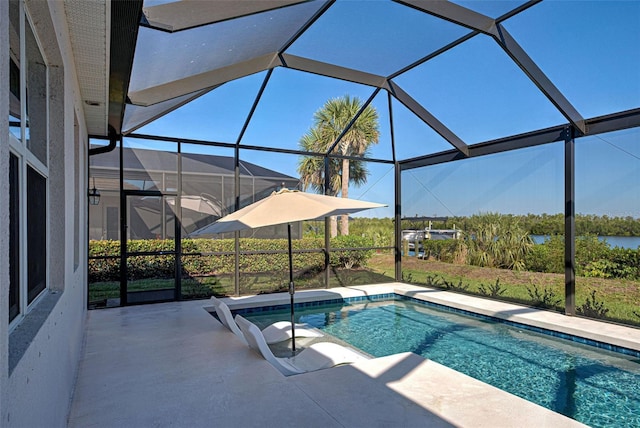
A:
{"x":173,"y":364}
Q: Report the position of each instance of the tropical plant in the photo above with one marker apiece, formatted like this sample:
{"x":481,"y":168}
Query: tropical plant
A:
{"x":492,"y":290}
{"x":592,"y":308}
{"x":497,"y":241}
{"x":547,"y":299}
{"x":329,"y":122}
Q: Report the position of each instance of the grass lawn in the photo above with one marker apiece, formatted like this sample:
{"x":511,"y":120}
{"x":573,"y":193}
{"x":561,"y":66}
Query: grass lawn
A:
{"x":620,"y":297}
{"x":615,"y":299}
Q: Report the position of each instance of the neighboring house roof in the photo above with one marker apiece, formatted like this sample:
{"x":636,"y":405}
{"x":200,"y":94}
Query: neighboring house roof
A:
{"x":156,"y":160}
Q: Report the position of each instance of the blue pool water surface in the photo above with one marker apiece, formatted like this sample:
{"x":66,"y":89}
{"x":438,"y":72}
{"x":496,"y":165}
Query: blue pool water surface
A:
{"x":594,"y":386}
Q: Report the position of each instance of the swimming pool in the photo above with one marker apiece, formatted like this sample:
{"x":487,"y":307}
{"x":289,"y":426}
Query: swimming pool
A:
{"x":594,"y":386}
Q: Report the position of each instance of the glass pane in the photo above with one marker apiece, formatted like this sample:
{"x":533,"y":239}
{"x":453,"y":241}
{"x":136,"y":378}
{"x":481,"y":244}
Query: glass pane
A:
{"x":14,"y":101}
{"x":490,"y":226}
{"x":349,"y":25}
{"x":608,"y":226}
{"x":592,"y":58}
{"x":479,"y":93}
{"x":36,"y":233}
{"x":225,"y":43}
{"x":148,"y":164}
{"x":286,"y":109}
{"x":36,"y":98}
{"x":14,"y":237}
{"x":14,"y":69}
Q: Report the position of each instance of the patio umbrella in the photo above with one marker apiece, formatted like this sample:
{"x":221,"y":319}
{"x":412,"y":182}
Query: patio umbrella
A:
{"x":286,"y":206}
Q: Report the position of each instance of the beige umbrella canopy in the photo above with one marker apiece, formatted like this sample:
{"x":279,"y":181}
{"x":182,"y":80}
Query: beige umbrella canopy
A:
{"x":286,"y":206}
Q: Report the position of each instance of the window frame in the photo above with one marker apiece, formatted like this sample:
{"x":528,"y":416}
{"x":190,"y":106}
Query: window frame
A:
{"x":27,"y":160}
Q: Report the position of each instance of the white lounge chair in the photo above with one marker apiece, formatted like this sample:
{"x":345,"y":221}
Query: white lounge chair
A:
{"x":275,"y":333}
{"x":320,"y":355}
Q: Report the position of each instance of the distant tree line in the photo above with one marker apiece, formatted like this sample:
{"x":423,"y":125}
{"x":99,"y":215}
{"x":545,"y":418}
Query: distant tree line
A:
{"x":546,"y":224}
{"x":381,"y":230}
{"x":498,"y":241}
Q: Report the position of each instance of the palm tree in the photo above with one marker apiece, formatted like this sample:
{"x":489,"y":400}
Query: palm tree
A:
{"x":329,"y":122}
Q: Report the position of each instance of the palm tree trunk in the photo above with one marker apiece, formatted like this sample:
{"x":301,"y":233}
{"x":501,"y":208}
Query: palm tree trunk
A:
{"x":334,"y":226}
{"x":344,"y":219}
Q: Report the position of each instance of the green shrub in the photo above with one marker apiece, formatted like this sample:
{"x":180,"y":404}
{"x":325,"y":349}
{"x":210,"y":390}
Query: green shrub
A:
{"x":445,"y":250}
{"x":195,"y":264}
{"x":594,"y":258}
{"x":349,"y":259}
{"x":547,"y":257}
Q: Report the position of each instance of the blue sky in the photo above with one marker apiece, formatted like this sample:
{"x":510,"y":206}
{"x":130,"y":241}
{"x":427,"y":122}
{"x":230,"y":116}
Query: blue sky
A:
{"x":589,"y":50}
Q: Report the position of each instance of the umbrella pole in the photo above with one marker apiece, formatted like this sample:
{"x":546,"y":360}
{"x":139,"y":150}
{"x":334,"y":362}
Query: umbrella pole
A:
{"x":291,"y":291}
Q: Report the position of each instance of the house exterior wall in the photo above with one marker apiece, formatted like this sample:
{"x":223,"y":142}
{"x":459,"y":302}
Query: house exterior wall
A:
{"x":4,"y":208}
{"x":39,"y":357}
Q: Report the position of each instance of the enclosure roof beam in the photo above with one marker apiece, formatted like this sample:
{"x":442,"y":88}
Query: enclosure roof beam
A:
{"x":331,"y":70}
{"x":537,"y":76}
{"x":186,"y":14}
{"x":209,"y":79}
{"x":597,"y":125}
{"x":428,"y":118}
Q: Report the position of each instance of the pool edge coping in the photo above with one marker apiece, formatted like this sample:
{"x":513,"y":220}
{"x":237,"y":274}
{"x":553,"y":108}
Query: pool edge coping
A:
{"x":603,"y":335}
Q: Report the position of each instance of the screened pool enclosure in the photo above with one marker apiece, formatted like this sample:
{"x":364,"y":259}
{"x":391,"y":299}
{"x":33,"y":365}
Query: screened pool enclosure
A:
{"x":515,"y":125}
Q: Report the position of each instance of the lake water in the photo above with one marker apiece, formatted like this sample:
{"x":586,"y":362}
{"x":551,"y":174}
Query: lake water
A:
{"x":632,"y":242}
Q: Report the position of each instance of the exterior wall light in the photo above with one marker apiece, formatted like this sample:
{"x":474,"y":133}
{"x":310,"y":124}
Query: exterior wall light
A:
{"x":94,"y":195}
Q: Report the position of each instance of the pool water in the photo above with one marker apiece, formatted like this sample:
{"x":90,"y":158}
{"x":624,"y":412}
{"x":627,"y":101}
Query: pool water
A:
{"x":594,"y":386}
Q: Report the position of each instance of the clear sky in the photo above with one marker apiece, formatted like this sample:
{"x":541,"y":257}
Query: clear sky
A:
{"x":588,"y":49}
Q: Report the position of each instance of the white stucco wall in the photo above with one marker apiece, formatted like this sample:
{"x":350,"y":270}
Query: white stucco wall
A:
{"x":38,"y":391}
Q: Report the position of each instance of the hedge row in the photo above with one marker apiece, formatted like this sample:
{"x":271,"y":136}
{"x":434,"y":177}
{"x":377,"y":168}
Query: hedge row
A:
{"x":594,"y":258}
{"x":163,"y":266}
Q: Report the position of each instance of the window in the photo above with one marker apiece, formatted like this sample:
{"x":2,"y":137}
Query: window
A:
{"x":36,"y":233}
{"x":28,"y":165}
{"x":14,"y":99}
{"x":14,"y":242}
{"x":14,"y":70}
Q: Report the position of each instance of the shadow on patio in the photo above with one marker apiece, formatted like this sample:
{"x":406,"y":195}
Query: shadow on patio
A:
{"x":173,"y":364}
